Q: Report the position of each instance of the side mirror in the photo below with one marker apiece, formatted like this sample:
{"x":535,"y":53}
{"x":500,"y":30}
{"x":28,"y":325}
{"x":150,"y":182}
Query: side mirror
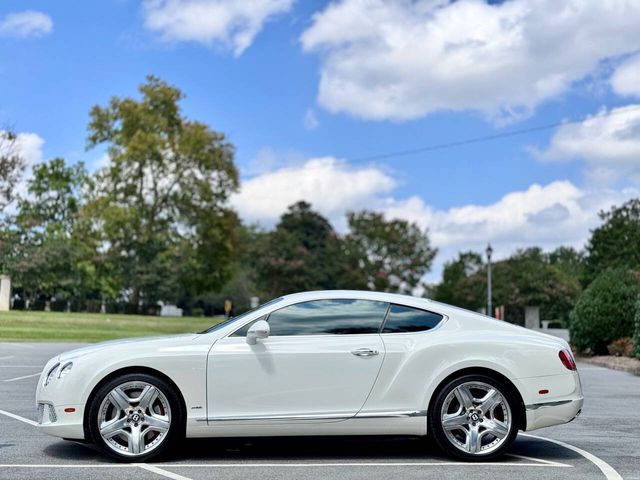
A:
{"x":260,"y":329}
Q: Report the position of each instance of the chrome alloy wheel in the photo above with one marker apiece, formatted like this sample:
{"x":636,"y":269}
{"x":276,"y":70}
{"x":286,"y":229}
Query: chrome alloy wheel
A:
{"x":476,"y":418}
{"x":134,"y":418}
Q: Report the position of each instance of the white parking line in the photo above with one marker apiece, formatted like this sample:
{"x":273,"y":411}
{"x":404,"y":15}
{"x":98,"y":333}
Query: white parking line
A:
{"x":16,"y":345}
{"x":604,"y":467}
{"x":18,"y":417}
{"x":22,"y":377}
{"x":7,"y":358}
{"x":293,"y":465}
{"x":21,"y":366}
{"x":532,"y":459}
{"x":160,"y":471}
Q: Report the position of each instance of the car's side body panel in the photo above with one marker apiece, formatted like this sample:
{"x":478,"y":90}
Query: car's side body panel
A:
{"x":291,"y":376}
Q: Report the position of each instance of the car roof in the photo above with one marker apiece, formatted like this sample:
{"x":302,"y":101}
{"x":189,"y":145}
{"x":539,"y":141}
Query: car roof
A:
{"x":358,"y":294}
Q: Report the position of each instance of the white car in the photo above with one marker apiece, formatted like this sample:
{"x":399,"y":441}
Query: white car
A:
{"x":317,"y":363}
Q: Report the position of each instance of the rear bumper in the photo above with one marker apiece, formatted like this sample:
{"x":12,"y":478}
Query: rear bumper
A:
{"x":545,"y":414}
{"x":551,"y":400}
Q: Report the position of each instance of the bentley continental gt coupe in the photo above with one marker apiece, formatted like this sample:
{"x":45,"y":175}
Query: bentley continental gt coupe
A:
{"x":317,"y":363}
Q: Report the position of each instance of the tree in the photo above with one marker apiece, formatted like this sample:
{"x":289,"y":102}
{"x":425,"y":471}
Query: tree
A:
{"x":463,"y":282}
{"x":394,"y":254}
{"x":616,"y":243}
{"x":49,"y":258}
{"x":528,"y":278}
{"x":11,"y":168}
{"x":303,"y":253}
{"x":569,"y":260}
{"x":161,"y":203}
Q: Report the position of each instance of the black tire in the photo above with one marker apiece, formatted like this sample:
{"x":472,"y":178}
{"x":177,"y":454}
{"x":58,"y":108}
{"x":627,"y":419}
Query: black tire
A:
{"x":173,"y":435}
{"x":437,"y":431}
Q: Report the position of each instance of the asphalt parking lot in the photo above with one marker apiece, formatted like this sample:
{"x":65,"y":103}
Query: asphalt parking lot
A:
{"x":604,"y":442}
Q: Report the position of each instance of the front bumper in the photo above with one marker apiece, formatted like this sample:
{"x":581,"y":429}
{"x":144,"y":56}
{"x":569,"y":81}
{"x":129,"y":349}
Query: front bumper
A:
{"x":51,"y":403}
{"x":54,"y":420}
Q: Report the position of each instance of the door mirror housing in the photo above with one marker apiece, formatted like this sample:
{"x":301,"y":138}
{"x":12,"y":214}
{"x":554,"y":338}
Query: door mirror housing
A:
{"x":260,"y":329}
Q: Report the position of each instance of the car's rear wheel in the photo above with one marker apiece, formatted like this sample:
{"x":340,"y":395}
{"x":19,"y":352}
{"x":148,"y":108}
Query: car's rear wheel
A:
{"x":473,"y":417}
{"x":135,"y":417}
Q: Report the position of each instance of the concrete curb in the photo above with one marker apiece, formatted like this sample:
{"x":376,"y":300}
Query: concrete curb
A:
{"x":625,"y":364}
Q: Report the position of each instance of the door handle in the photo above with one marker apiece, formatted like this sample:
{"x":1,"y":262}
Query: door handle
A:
{"x":364,"y":352}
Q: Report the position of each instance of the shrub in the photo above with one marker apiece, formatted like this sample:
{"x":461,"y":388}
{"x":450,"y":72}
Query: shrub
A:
{"x":636,"y":334}
{"x":605,"y":311}
{"x":197,"y":312}
{"x":623,"y":347}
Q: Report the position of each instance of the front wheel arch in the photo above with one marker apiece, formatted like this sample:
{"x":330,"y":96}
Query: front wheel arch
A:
{"x":124,"y":371}
{"x":521,"y":411}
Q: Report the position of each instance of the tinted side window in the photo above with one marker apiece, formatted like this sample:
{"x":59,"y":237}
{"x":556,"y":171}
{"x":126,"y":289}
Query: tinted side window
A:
{"x":322,"y":317}
{"x":407,"y":319}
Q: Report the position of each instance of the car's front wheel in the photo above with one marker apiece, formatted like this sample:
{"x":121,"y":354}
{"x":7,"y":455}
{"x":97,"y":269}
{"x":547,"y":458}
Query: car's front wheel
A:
{"x":473,"y":418}
{"x":135,"y":417}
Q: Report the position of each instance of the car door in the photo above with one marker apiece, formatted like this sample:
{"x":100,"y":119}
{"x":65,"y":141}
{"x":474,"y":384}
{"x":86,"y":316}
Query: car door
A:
{"x":319,"y":362}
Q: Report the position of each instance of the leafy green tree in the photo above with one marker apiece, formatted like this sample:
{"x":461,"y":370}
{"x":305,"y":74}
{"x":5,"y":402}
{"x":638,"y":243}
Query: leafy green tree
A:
{"x":394,"y":254}
{"x":615,"y":243}
{"x":11,"y":168}
{"x":463,"y":282}
{"x":303,"y":253}
{"x":49,"y":257}
{"x":636,"y":330}
{"x":605,"y":311}
{"x":528,"y":279}
{"x":569,"y":260}
{"x":161,"y":203}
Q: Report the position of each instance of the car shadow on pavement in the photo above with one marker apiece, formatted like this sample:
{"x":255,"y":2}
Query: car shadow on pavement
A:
{"x":311,"y":449}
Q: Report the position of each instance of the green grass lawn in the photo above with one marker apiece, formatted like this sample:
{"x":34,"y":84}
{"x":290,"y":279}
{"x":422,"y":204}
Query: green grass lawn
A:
{"x":92,"y":327}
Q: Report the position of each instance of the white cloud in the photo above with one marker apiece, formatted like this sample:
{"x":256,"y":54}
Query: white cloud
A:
{"x":26,"y":24}
{"x":229,"y":23}
{"x":626,"y":79}
{"x":400,"y":59}
{"x":547,"y":216}
{"x":330,"y":185}
{"x":29,"y":146}
{"x":559,"y":213}
{"x":609,"y":143}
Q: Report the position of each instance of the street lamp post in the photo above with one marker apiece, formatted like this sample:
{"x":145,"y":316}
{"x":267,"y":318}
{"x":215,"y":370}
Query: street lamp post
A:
{"x":489,"y":251}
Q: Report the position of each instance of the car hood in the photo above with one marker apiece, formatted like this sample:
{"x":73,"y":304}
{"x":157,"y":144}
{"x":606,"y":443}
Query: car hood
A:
{"x":137,"y":342}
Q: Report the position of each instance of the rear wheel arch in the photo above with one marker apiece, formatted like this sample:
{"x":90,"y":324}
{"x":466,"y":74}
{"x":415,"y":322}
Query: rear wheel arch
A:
{"x":520,"y":411}
{"x":125,"y":371}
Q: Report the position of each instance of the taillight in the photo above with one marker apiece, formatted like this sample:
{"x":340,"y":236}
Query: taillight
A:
{"x":567,"y":359}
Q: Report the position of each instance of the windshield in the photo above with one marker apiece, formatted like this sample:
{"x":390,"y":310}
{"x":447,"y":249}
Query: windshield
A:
{"x":229,"y":321}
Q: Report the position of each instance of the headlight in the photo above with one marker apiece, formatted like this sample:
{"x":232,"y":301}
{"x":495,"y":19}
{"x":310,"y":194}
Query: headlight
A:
{"x":50,"y":374}
{"x":66,"y":369}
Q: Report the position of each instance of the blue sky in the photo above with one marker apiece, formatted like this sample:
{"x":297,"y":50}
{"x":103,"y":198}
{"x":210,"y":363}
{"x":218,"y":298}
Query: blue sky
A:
{"x":303,"y":88}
